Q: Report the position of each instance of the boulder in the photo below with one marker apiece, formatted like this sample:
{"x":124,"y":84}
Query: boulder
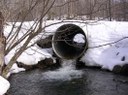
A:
{"x":80,"y":64}
{"x":43,"y":64}
{"x":122,"y":70}
{"x":117,"y":69}
{"x":45,"y":43}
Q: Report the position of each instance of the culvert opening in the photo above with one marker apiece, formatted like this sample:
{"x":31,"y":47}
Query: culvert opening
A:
{"x":69,"y":41}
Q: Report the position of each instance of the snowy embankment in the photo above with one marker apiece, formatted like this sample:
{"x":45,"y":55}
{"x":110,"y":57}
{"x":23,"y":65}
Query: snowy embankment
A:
{"x":107,"y":44}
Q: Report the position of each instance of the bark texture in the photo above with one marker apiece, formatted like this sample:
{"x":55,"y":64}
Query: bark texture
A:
{"x":2,"y":43}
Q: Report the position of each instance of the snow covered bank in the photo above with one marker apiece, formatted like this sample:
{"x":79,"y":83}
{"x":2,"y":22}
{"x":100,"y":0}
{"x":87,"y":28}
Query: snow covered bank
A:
{"x":4,"y":85}
{"x":108,"y":44}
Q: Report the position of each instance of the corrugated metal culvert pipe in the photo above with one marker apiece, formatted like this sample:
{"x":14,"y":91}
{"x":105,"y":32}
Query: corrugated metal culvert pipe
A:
{"x":69,"y":42}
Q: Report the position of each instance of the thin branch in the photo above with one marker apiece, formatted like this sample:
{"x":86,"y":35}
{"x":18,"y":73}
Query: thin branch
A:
{"x":66,"y":3}
{"x":111,"y":43}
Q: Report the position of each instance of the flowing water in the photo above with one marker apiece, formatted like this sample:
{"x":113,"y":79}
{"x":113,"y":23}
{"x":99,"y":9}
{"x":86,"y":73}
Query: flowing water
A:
{"x":68,"y":81}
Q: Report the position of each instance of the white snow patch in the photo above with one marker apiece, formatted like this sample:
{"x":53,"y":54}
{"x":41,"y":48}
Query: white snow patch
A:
{"x":32,"y":55}
{"x":4,"y":85}
{"x":15,"y":69}
{"x":79,"y":38}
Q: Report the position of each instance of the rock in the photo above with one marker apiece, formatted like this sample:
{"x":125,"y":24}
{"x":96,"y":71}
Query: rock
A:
{"x":43,"y":64}
{"x":117,"y":69}
{"x":80,"y":64}
{"x":122,"y":70}
{"x":49,"y":64}
{"x":45,"y":43}
{"x":27,"y":67}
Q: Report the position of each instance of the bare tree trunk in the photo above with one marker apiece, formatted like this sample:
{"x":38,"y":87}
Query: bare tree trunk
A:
{"x":109,"y":10}
{"x":2,"y":43}
{"x":68,"y":14}
{"x":124,"y":9}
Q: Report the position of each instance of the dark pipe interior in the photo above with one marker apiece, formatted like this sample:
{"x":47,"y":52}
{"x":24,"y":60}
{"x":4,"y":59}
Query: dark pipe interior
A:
{"x":63,"y":42}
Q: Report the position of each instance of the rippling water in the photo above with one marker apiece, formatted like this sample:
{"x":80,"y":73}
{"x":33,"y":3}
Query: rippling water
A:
{"x":66,"y":72}
{"x":68,"y":81}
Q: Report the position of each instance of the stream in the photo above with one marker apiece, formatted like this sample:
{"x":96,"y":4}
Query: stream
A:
{"x":68,"y":81}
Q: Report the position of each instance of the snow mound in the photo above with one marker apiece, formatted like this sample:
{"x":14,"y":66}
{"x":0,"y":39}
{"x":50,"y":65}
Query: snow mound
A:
{"x":4,"y":85}
{"x":79,"y":38}
{"x":31,"y":56}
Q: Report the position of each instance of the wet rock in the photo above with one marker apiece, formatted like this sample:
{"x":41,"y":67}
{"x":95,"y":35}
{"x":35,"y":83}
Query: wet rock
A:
{"x":80,"y":64}
{"x":45,"y":43}
{"x":58,"y":62}
{"x":123,"y":70}
{"x":48,"y":63}
{"x":27,"y":67}
{"x":43,"y":64}
{"x":117,"y":69}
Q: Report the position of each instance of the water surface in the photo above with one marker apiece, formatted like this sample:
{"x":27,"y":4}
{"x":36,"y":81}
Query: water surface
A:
{"x":68,"y":81}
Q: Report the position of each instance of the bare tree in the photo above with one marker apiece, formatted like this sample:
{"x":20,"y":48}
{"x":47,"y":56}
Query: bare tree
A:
{"x":2,"y":43}
{"x":40,"y":10}
{"x":124,"y":9}
{"x":109,"y":10}
{"x":21,"y":11}
{"x":12,"y":39}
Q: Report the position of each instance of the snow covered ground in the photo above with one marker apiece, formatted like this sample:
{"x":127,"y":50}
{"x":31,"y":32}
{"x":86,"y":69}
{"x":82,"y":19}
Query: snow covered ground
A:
{"x":107,"y":44}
